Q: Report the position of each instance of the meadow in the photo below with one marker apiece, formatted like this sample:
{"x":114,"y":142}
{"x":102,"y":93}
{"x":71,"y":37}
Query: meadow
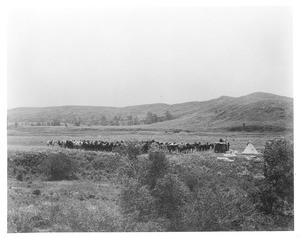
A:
{"x":130,"y":191}
{"x":37,"y":136}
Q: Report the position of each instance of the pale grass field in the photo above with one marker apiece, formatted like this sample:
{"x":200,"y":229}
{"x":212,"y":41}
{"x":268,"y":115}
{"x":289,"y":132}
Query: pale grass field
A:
{"x":62,"y":206}
{"x":37,"y":137}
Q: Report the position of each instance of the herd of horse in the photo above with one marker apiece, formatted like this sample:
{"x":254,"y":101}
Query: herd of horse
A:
{"x":98,"y":145}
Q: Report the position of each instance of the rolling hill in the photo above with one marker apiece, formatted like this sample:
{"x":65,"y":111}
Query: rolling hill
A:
{"x":256,"y":111}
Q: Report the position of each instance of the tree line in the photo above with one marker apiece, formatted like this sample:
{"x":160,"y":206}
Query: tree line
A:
{"x":116,"y":120}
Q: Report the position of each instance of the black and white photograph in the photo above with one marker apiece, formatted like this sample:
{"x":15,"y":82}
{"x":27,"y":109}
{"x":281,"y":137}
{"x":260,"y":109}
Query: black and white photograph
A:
{"x":168,"y":118}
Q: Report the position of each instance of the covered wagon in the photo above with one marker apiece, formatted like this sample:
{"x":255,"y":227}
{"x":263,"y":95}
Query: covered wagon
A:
{"x":221,"y":147}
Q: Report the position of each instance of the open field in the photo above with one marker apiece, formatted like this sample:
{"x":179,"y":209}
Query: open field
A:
{"x":32,"y":136}
{"x":96,"y":199}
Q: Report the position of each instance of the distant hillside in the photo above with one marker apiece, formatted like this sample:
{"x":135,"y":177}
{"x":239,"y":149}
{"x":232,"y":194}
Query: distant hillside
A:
{"x":256,"y":111}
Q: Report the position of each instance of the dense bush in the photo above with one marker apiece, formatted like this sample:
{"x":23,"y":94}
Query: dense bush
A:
{"x":277,"y":191}
{"x":158,"y":166}
{"x":170,"y":195}
{"x":59,"y":166}
{"x":136,"y":200}
{"x":145,"y":169}
{"x":24,"y":162}
{"x":139,"y":178}
{"x":87,"y":165}
{"x":153,"y":192}
{"x":107,"y":162}
{"x":205,"y":194}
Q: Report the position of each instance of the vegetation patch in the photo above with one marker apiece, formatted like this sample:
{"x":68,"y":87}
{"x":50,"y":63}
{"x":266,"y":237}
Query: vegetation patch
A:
{"x":259,"y":128}
{"x":203,"y":194}
{"x":129,"y":191}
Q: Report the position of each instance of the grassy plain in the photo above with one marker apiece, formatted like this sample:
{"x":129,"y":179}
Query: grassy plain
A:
{"x":37,"y":137}
{"x":92,"y":201}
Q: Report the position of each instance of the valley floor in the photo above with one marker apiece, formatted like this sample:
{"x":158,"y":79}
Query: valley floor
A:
{"x":35,"y":137}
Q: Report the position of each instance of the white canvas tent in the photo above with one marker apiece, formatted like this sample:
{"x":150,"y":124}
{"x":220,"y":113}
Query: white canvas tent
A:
{"x":250,"y":150}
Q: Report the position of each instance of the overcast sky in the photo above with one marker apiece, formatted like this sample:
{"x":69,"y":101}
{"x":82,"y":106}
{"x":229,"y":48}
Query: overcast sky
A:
{"x":131,"y":56}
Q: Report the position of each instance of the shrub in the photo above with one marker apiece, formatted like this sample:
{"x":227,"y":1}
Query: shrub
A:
{"x":27,"y":162}
{"x":170,"y":195}
{"x":158,"y":167}
{"x":201,"y":194}
{"x":215,"y":208}
{"x":137,"y":201}
{"x":98,"y":164}
{"x":132,"y":166}
{"x":59,"y":167}
{"x":277,"y":192}
{"x":135,"y":169}
{"x":108,"y":163}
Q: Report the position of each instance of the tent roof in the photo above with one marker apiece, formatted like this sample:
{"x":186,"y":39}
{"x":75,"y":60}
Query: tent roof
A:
{"x":250,"y":150}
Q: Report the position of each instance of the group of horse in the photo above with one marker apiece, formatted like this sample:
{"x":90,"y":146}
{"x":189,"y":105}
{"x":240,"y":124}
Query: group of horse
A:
{"x":98,"y":145}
